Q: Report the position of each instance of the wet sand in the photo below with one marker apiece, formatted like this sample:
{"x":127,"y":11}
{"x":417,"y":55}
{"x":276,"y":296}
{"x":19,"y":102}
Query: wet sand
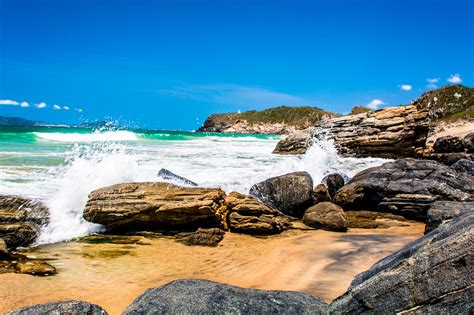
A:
{"x":317,"y":262}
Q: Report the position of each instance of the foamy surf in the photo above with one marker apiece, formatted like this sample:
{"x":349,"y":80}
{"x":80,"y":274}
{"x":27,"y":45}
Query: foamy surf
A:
{"x":97,"y":136}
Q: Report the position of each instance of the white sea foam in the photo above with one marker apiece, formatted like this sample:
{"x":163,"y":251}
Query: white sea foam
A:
{"x":120,"y":135}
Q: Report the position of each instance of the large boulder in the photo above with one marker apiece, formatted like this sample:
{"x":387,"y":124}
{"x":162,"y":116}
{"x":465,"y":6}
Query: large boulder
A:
{"x":464,"y":166}
{"x":448,"y":144}
{"x":333,"y":182}
{"x":432,"y":275}
{"x":293,"y":144}
{"x":405,"y":187}
{"x":441,"y":211}
{"x":469,"y":142}
{"x":152,"y":206}
{"x":192,"y":296}
{"x":62,"y":308}
{"x":326,"y":216}
{"x":250,"y":216}
{"x":20,"y":220}
{"x":290,"y":193}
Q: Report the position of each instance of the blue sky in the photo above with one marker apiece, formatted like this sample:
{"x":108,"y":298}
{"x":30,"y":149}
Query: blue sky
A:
{"x":169,"y":64}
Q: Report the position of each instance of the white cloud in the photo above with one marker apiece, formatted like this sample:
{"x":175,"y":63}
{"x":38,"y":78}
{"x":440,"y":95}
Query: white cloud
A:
{"x":454,"y":78}
{"x":57,"y":107}
{"x":25,"y":104}
{"x":9,"y":102}
{"x":406,"y":87}
{"x":66,"y":107}
{"x":433,"y":80}
{"x":78,"y":110}
{"x":432,"y":86}
{"x":41,"y":105}
{"x":374,"y":104}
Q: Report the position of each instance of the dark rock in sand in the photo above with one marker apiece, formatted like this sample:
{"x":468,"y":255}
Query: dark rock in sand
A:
{"x":373,"y":220}
{"x":469,"y":142}
{"x":405,"y":187}
{"x":192,"y":296}
{"x":290,"y":193}
{"x":448,"y":144}
{"x":203,"y":237}
{"x":293,"y":144}
{"x":152,"y":206}
{"x":441,"y":211}
{"x":326,"y":216}
{"x":168,"y":175}
{"x":321,"y":194}
{"x":448,"y":158}
{"x":433,"y":275}
{"x":333,"y":182}
{"x":464,"y":166}
{"x":250,"y":216}
{"x":60,"y":308}
{"x":20,"y":220}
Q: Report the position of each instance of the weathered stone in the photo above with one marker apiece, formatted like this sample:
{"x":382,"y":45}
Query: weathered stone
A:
{"x":203,"y":237}
{"x":405,"y":187}
{"x":326,"y":216}
{"x":464,"y":166}
{"x":250,"y":216}
{"x":290,"y":193}
{"x":152,"y":206}
{"x":35,"y":267}
{"x":333,"y":182}
{"x":60,"y":308}
{"x":469,"y":142}
{"x":373,"y":220}
{"x":448,"y":144}
{"x":192,"y":296}
{"x":3,"y":249}
{"x":293,"y":144}
{"x":447,"y":158}
{"x":321,"y":194}
{"x":168,"y":175}
{"x":433,"y":275}
{"x":441,"y":211}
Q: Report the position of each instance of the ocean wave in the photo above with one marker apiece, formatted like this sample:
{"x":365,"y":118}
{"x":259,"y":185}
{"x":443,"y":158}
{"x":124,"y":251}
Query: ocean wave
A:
{"x":120,"y":135}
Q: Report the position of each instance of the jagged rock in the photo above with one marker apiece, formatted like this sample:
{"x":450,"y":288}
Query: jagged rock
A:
{"x":321,"y":194}
{"x":293,"y":144}
{"x":448,"y":144}
{"x":333,"y":182}
{"x":373,"y":220}
{"x":61,"y":308}
{"x":20,"y":220}
{"x":406,"y":187}
{"x":432,"y":275}
{"x":290,"y":193}
{"x":193,"y":296}
{"x":168,"y":175}
{"x":250,"y":216}
{"x":151,"y":206}
{"x":204,"y":237}
{"x":469,"y":142}
{"x":326,"y":216}
{"x":441,"y":211}
{"x":464,"y":166}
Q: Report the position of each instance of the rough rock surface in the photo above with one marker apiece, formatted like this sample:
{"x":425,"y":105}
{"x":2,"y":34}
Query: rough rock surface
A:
{"x":250,"y":216}
{"x":464,"y":166}
{"x":433,"y":275}
{"x":61,"y":308}
{"x":321,"y":194}
{"x":447,"y":158}
{"x":156,"y":206}
{"x":469,"y":142}
{"x":3,"y":249}
{"x":441,"y":211}
{"x":203,"y":237}
{"x":373,"y":220}
{"x":405,"y":187}
{"x":192,"y":296}
{"x":293,"y":144}
{"x":168,"y":175}
{"x":333,"y":182}
{"x":448,"y":144}
{"x":326,"y":216}
{"x":20,"y":220}
{"x":290,"y":193}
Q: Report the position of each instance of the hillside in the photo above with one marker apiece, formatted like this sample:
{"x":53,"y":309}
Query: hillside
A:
{"x":17,"y":121}
{"x":281,"y":119}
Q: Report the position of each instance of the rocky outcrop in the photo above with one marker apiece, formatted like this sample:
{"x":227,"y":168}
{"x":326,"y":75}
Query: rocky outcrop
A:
{"x":203,"y":237}
{"x":326,"y":216}
{"x":469,"y":142}
{"x":290,"y":193}
{"x":250,"y":216}
{"x":405,"y":187}
{"x":448,"y":144}
{"x":176,"y":179}
{"x":464,"y":166}
{"x":151,"y":206}
{"x":441,"y":211}
{"x":293,"y":144}
{"x":432,"y":275}
{"x":20,"y":220}
{"x":192,"y":296}
{"x":63,"y":308}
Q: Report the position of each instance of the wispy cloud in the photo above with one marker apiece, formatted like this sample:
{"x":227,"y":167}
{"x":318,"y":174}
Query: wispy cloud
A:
{"x":432,"y":83}
{"x":66,"y":107}
{"x":375,"y":103}
{"x":433,"y":80}
{"x":235,"y":94}
{"x":41,"y":105}
{"x":56,"y":107}
{"x":406,"y":87}
{"x":25,"y":104}
{"x":454,"y":78}
{"x":9,"y":102}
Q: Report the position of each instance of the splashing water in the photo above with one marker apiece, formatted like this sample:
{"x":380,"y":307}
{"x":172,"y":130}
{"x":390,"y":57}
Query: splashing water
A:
{"x":63,"y":169}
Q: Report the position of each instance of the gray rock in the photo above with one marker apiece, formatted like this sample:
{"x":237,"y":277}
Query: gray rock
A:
{"x":192,"y":296}
{"x":293,"y":144}
{"x":405,"y":187}
{"x":60,"y":308}
{"x":433,"y":275}
{"x":464,"y":166}
{"x":176,"y":179}
{"x":469,"y":142}
{"x":441,"y":211}
{"x":448,"y":144}
{"x":333,"y":182}
{"x":290,"y":193}
{"x":326,"y":216}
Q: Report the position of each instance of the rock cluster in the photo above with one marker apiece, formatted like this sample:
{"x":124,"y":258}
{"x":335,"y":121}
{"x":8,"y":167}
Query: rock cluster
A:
{"x":451,"y":149}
